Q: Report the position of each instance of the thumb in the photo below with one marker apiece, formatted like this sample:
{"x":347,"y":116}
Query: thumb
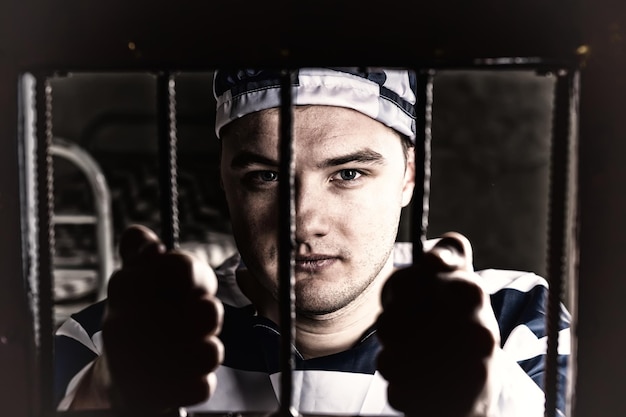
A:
{"x":137,"y":241}
{"x":453,"y":251}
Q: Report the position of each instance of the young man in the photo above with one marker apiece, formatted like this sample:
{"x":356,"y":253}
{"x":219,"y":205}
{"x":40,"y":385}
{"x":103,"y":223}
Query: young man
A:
{"x":444,"y":350}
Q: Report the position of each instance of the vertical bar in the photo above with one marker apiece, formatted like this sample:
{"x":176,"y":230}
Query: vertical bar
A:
{"x":559,"y":184}
{"x":286,"y":244}
{"x":421,"y":193}
{"x":21,"y":358}
{"x":166,"y":120}
{"x":168,"y":171}
{"x":45,"y":234}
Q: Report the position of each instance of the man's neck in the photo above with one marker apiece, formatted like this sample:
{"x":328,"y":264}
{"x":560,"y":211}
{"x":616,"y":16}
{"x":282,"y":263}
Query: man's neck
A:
{"x":326,"y":335}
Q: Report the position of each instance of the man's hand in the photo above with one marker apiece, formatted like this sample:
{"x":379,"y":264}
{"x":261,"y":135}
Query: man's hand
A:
{"x":160,"y":328}
{"x":439,"y":335}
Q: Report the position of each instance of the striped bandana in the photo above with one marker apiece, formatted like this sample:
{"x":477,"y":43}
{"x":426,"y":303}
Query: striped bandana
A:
{"x":386,"y":95}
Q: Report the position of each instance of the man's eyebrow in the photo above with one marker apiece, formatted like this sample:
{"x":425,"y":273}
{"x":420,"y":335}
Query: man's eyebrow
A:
{"x":364,"y":155}
{"x":244,"y":159}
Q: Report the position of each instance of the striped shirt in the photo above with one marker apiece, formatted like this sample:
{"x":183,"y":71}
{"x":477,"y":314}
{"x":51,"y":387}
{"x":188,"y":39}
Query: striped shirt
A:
{"x":345,"y":382}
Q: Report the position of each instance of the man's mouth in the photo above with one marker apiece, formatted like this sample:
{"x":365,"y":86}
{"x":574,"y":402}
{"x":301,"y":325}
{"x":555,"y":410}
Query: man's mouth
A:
{"x":314,"y":263}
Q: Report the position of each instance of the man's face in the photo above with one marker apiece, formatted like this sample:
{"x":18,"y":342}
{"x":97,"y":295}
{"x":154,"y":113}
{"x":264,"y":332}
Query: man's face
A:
{"x":352,"y":177}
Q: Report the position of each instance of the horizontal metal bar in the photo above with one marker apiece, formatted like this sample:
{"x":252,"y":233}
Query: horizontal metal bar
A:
{"x":74,"y":219}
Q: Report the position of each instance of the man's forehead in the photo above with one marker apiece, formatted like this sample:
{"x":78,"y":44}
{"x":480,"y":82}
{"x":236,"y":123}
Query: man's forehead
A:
{"x":340,"y":129}
{"x":263,"y":122}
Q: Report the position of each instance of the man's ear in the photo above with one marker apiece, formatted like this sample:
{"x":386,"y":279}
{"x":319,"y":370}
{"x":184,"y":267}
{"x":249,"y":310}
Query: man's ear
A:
{"x":409,"y":177}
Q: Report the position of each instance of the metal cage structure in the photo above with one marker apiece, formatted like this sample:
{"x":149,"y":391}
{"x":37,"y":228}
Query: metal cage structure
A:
{"x":45,"y":38}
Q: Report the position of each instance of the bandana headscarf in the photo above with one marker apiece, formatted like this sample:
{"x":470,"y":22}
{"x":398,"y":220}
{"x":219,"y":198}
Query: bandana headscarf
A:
{"x":386,"y":95}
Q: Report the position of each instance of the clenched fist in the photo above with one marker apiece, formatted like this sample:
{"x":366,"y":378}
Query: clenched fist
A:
{"x":439,"y":335}
{"x":160,"y":327}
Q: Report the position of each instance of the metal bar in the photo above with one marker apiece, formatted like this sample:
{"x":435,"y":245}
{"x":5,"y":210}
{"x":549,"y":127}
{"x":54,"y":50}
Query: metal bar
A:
{"x":504,"y":63}
{"x":74,"y":219}
{"x":168,"y":171}
{"x":421,"y":192}
{"x":557,"y":224}
{"x":45,"y":234}
{"x":286,"y":244}
{"x":166,"y":120}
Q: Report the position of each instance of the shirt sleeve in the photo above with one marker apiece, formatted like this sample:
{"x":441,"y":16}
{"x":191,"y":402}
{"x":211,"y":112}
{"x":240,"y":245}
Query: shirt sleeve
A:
{"x":77,"y":343}
{"x":519,"y":301}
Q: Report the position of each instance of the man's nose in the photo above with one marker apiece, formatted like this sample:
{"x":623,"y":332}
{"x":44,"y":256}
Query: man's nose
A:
{"x":312,"y":212}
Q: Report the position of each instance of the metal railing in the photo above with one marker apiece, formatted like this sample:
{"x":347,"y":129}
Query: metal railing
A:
{"x":102,"y":219}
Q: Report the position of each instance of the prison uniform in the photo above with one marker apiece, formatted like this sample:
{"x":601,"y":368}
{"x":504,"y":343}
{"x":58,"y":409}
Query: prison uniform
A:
{"x":346,"y":382}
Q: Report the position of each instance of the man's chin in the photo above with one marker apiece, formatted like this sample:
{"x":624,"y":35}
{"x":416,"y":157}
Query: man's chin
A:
{"x":314,"y":310}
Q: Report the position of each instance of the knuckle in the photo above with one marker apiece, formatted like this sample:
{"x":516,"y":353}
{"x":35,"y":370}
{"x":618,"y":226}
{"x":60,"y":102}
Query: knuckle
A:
{"x":204,"y":316}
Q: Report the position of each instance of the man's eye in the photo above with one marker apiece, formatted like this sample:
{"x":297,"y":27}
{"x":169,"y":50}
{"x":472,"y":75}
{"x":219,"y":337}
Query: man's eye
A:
{"x":266,"y":176}
{"x":348,"y":174}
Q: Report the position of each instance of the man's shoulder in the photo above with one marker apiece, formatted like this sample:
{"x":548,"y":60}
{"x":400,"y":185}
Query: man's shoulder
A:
{"x":494,"y":280}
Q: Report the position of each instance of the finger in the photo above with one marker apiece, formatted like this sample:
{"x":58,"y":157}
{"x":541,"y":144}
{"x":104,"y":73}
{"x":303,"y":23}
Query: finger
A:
{"x":158,"y":358}
{"x":203,"y":317}
{"x":138,"y":240}
{"x":162,"y":368}
{"x":204,"y":276}
{"x":171,"y":277}
{"x":192,"y":275}
{"x":193,"y":358}
{"x":458,"y":295}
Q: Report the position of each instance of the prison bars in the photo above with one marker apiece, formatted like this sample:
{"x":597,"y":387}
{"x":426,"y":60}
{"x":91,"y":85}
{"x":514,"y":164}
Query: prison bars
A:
{"x":565,"y":94}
